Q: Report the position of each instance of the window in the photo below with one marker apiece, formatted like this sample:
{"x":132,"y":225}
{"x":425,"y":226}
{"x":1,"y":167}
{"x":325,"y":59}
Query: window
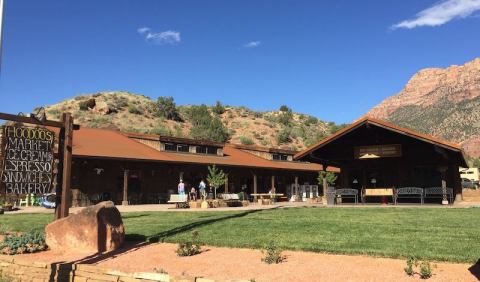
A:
{"x":212,"y":150}
{"x":170,"y":147}
{"x":280,"y":157}
{"x":207,"y":150}
{"x":183,"y":148}
{"x":176,"y":147}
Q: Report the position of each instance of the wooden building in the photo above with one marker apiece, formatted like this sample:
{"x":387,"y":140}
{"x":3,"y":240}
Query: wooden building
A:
{"x":141,"y":168}
{"x":373,"y":153}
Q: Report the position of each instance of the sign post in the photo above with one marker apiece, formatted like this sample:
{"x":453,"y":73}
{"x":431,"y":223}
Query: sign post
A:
{"x":29,"y":156}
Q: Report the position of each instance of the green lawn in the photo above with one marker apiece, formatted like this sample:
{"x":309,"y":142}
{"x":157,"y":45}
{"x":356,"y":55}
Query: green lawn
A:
{"x":428,"y":233}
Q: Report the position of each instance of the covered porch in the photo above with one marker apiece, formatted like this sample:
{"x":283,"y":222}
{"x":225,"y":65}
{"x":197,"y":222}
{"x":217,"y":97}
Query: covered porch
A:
{"x":374,"y":154}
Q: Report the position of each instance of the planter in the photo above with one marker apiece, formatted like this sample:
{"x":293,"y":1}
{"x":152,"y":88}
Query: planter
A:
{"x":324,"y":200}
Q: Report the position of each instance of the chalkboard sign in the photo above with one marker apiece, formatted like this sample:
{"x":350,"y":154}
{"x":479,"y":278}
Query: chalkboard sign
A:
{"x":27,"y":160}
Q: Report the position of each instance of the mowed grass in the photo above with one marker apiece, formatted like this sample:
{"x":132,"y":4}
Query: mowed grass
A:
{"x":427,"y":233}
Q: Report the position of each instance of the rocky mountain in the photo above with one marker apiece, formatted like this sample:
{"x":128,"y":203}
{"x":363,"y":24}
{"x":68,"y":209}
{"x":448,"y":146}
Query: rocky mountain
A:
{"x":444,"y":102}
{"x":137,"y":113}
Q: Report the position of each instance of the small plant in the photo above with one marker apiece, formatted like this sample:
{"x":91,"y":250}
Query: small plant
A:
{"x":134,"y":110}
{"x":409,"y":268}
{"x":425,"y":270}
{"x":25,"y":243}
{"x":83,"y":105}
{"x":273,"y":254}
{"x":218,"y":108}
{"x":189,"y":248}
{"x":246,"y":140}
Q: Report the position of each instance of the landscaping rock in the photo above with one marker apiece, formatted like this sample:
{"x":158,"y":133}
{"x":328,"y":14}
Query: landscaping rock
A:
{"x":97,"y":228}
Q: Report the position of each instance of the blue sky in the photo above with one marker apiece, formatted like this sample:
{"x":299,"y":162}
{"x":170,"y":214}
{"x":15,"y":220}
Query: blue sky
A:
{"x":334,"y":60}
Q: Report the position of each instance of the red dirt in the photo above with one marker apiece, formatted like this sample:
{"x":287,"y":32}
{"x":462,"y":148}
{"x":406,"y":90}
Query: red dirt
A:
{"x":226,"y":263}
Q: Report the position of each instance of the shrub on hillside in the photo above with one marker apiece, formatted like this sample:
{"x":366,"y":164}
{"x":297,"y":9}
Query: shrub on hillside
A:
{"x":166,"y":108}
{"x":134,"y":109}
{"x":218,"y":108}
{"x":205,"y":126}
{"x":336,"y":127}
{"x":119,"y":102}
{"x":284,"y":136}
{"x":284,"y":108}
{"x":160,"y":129}
{"x":311,"y":120}
{"x":246,"y":140}
{"x":285,"y":117}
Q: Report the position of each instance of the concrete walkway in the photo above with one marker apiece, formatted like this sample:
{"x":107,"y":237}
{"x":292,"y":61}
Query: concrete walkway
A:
{"x":171,"y":207}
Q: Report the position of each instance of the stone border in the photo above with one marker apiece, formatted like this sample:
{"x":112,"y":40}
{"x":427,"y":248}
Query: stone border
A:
{"x":23,"y":270}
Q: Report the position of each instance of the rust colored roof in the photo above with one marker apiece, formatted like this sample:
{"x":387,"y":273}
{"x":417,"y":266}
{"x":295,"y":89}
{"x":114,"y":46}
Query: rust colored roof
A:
{"x":102,"y":143}
{"x":262,"y":149}
{"x":387,"y":125}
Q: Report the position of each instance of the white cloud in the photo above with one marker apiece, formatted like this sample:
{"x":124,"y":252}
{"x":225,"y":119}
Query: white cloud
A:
{"x":441,"y":13}
{"x":161,"y":38}
{"x":143,"y":30}
{"x":252,"y":44}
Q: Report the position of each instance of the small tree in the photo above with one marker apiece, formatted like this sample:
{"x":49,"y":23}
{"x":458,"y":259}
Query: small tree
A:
{"x":216,"y":178}
{"x":166,"y":108}
{"x":218,"y":108}
{"x":326,"y":178}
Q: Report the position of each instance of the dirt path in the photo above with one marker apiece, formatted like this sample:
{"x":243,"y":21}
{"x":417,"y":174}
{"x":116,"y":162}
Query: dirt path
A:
{"x":227,"y":263}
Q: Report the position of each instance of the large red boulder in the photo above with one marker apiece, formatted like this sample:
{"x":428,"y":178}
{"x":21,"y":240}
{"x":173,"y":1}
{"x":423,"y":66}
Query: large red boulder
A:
{"x":97,"y":228}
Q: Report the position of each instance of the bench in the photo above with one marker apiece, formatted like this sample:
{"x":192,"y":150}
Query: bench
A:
{"x":347,"y":193}
{"x":378,"y":192}
{"x":437,"y":192}
{"x":408,"y":192}
{"x":181,"y":201}
{"x":232,"y":200}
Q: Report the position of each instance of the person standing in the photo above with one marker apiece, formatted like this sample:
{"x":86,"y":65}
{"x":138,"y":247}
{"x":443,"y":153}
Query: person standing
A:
{"x":201,"y":188}
{"x":181,"y":188}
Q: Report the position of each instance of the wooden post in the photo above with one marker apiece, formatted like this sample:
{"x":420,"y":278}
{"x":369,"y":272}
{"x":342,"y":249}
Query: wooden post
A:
{"x":67,"y":163}
{"x":443,"y":173}
{"x":65,"y":152}
{"x":296,"y":188}
{"x":226,"y":183}
{"x":255,"y":186}
{"x":272,"y":188}
{"x":125,"y":188}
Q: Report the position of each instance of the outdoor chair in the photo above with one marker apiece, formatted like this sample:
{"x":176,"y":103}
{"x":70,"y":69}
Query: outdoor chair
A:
{"x":346,"y":193}
{"x":437,"y":192}
{"x":408,"y":193}
{"x":29,"y":200}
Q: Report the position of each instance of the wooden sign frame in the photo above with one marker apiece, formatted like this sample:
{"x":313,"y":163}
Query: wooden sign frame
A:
{"x":65,"y":146}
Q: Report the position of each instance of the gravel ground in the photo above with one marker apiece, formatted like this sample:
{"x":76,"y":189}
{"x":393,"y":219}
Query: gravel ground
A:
{"x":227,"y":263}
